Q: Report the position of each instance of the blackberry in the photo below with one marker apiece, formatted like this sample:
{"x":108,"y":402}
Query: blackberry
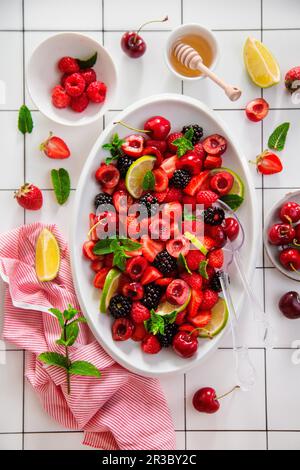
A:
{"x":165,"y":263}
{"x":103,"y":199}
{"x":198,"y":132}
{"x":215,"y":282}
{"x":123,"y":163}
{"x":152,"y":295}
{"x":214,"y":216}
{"x":166,"y":339}
{"x":150,"y":202}
{"x":180,"y":179}
{"x":120,"y":306}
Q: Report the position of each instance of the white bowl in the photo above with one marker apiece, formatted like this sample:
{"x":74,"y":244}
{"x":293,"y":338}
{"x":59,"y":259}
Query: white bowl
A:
{"x":180,"y":110}
{"x":271,"y":219}
{"x":192,"y":28}
{"x":43,"y":75}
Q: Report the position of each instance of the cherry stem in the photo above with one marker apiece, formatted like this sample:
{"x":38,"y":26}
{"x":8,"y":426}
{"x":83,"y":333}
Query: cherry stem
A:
{"x":122,"y":123}
{"x":294,"y":269}
{"x":149,"y":22}
{"x":204,"y":330}
{"x":228,"y":393}
{"x":295,"y":242}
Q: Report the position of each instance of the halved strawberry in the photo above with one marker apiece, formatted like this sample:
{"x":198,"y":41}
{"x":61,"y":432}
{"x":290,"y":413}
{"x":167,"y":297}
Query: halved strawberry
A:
{"x":151,"y":274}
{"x":195,"y":303}
{"x":193,"y":280}
{"x":54,"y":147}
{"x":161,"y":180}
{"x":169,"y":165}
{"x":197,"y":183}
{"x":151,"y":248}
{"x":87,"y":250}
{"x":202,"y":319}
{"x":213,"y":161}
{"x":93,"y":220}
{"x":165,"y":281}
{"x":100,"y":277}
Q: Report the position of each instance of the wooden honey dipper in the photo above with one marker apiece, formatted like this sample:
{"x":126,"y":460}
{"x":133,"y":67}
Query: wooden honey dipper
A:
{"x":191,"y":59}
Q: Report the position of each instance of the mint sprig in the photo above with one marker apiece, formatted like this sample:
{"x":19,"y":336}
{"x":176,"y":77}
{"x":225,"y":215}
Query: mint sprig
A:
{"x":114,"y":147}
{"x":156,"y":323}
{"x":69,"y":333}
{"x":118,"y":246}
{"x":278,"y":137}
{"x":25,"y":122}
{"x":184,"y":143}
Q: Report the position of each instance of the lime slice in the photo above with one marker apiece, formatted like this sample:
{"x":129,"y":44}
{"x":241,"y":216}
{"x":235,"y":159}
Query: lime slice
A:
{"x":238,"y":184}
{"x":109,"y":289}
{"x":165,"y":308}
{"x":218,"y":321}
{"x":135,"y":175}
{"x":47,"y":256}
{"x":196,"y":242}
{"x":261,"y":65}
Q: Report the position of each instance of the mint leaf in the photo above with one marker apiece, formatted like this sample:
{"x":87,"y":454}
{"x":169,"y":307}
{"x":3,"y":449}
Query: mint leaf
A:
{"x":119,"y":259}
{"x":70,"y":313}
{"x":184,"y":143}
{"x":148,"y":181}
{"x":59,"y":316}
{"x":25,"y":123}
{"x":84,"y":368}
{"x":103,"y":247}
{"x":232,"y":200}
{"x":114,"y":148}
{"x":155,"y":324}
{"x":189,"y":216}
{"x":171,"y":317}
{"x":182,"y":261}
{"x":130,"y":245}
{"x":61,"y":184}
{"x":278,"y":137}
{"x":54,"y":359}
{"x":203,"y":269}
{"x":89,"y":62}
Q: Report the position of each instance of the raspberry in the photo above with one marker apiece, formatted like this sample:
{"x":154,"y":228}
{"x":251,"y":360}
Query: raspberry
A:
{"x":63,"y":79}
{"x":68,"y":65}
{"x":74,"y":84}
{"x":97,"y":92}
{"x":216,"y":258}
{"x":161,"y":196}
{"x":207,"y":198}
{"x":173,"y":194}
{"x":194,"y":258}
{"x":170,"y":140}
{"x":89,"y":76}
{"x":139,"y":313}
{"x":193,"y":280}
{"x":199,"y":150}
{"x":210,"y":298}
{"x":60,"y":99}
{"x":151,"y":345}
{"x":139,"y":332}
{"x":79,"y":103}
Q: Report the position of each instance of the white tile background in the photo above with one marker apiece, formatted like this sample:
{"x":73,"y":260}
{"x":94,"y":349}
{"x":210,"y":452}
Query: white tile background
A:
{"x":269,"y":416}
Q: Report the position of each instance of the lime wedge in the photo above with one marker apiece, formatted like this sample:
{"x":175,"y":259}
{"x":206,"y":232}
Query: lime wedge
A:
{"x":135,"y":175}
{"x":218,"y":321}
{"x":195,"y":241}
{"x":109,"y":289}
{"x":238,"y":184}
{"x":165,"y":308}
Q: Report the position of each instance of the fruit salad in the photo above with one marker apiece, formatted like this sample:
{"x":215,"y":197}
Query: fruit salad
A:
{"x":157,"y":234}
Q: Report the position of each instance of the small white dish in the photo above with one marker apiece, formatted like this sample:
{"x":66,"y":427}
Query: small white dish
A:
{"x":271,"y":219}
{"x":43,"y":75}
{"x":199,"y":30}
{"x":180,"y":110}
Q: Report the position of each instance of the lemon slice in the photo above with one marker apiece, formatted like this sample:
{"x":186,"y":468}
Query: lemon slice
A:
{"x":218,"y":320}
{"x":110,"y":288}
{"x":261,"y":65}
{"x":47,"y":256}
{"x":238,"y":184}
{"x":135,"y":175}
{"x":165,"y":308}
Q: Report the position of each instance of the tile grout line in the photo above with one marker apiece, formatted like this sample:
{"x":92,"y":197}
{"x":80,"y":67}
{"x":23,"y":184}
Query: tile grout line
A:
{"x":160,"y":30}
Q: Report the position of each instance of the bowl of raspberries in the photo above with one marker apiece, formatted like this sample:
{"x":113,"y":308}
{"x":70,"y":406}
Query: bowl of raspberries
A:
{"x":71,"y":79}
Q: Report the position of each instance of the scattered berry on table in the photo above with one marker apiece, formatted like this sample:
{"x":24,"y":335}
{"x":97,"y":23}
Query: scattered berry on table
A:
{"x":198,"y":132}
{"x":214,"y":216}
{"x":103,"y":199}
{"x":29,"y":197}
{"x":180,"y":179}
{"x":165,"y":263}
{"x":120,"y":306}
{"x":169,"y":333}
{"x":152,"y":296}
{"x":292,"y":79}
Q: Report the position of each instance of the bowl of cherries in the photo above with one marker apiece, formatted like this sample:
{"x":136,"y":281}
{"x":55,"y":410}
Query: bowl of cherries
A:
{"x":282,"y":235}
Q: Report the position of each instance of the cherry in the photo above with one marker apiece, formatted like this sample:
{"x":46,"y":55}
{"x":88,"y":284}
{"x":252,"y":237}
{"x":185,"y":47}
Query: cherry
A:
{"x":122,"y":329}
{"x":191,"y":162}
{"x":215,"y":144}
{"x":134,"y":290}
{"x":205,"y":400}
{"x":289,"y":305}
{"x":281,"y":234}
{"x":222,"y":182}
{"x":297,"y":235}
{"x":161,"y":145}
{"x":257,"y":109}
{"x":290,"y":259}
{"x":133,"y":145}
{"x":217,"y":233}
{"x":290,"y":212}
{"x":135,"y":267}
{"x":158,"y":127}
{"x":184,"y":344}
{"x":231,"y":228}
{"x":133,"y":44}
{"x":177,"y":292}
{"x":178,"y":246}
{"x":108,"y":175}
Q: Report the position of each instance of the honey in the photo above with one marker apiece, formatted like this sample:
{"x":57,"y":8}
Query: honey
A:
{"x":202,"y":46}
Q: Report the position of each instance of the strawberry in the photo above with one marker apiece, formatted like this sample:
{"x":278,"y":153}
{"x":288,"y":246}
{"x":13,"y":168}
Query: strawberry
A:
{"x":169,"y":165}
{"x":150,"y":344}
{"x":108,"y":260}
{"x":55,"y":147}
{"x":100,"y":277}
{"x":216,"y":258}
{"x":151,"y":274}
{"x":268,"y":163}
{"x":195,"y":303}
{"x":96,"y":265}
{"x":139,"y":332}
{"x":199,"y":150}
{"x":174,"y":136}
{"x":213,"y":161}
{"x":180,"y":318}
{"x":173,"y":195}
{"x":193,"y":280}
{"x":151,"y":248}
{"x":210,"y":298}
{"x":292,"y":79}
{"x":208,"y":242}
{"x":202,"y":319}
{"x":139,"y":313}
{"x":161,"y":180}
{"x":197,"y":183}
{"x":160,"y":196}
{"x":207,"y":198}
{"x":29,"y":197}
{"x":194,"y":258}
{"x":87,"y":250}
{"x":165,"y":281}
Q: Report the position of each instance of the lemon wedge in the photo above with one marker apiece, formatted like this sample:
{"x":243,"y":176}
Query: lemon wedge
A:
{"x":261,"y":65}
{"x":135,"y":175}
{"x":47,"y":256}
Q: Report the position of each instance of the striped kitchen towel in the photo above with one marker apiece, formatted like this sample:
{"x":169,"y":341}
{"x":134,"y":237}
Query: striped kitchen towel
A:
{"x":120,"y":410}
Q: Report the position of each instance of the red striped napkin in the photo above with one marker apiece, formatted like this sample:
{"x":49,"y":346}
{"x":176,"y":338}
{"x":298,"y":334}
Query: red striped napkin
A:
{"x":96,"y":406}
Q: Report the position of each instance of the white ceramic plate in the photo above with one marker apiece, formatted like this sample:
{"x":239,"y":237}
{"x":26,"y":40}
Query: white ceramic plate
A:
{"x":180,"y":110}
{"x":43,"y":76}
{"x":271,"y":219}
